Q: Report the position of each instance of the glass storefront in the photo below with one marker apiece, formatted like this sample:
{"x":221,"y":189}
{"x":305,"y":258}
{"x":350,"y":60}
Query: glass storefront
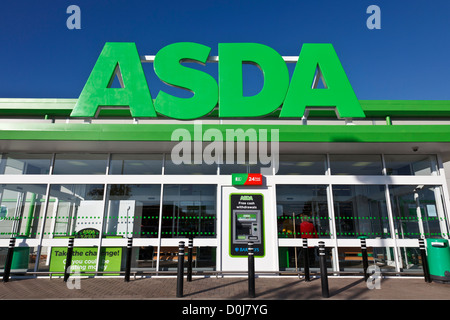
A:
{"x":75,"y":210}
{"x":189,"y":211}
{"x":302,"y":211}
{"x":417,"y":213}
{"x":133,"y":211}
{"x":22,"y":210}
{"x":375,"y":197}
{"x":361,"y":211}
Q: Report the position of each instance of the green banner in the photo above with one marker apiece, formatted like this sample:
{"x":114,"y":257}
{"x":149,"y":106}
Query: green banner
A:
{"x":84,"y":259}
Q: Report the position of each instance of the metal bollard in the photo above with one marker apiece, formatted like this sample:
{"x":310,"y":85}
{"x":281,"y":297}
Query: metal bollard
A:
{"x":365,"y":258}
{"x":180,"y":269}
{"x":189,"y":266}
{"x":251,"y":270}
{"x":68,"y":259}
{"x":306,"y":259}
{"x":423,"y":253}
{"x":128,"y":262}
{"x":323,"y":270}
{"x":9,"y":257}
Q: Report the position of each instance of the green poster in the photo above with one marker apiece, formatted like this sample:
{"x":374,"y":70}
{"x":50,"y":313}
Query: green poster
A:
{"x":85,"y":259}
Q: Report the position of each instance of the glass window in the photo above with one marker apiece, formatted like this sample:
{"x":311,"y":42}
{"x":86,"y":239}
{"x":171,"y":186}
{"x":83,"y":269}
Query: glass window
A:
{"x":136,"y":164}
{"x":133,"y":210}
{"x":24,"y":163}
{"x":416,"y":212}
{"x":302,"y":211}
{"x":24,"y":258}
{"x":411,"y":260}
{"x":189,"y":211}
{"x":80,"y":164}
{"x":379,"y":258}
{"x":75,"y":210}
{"x":203,"y":258}
{"x":301,"y":164}
{"x":361,"y":211}
{"x":21,"y":210}
{"x":356,"y":164}
{"x":293,"y":258}
{"x":412,"y":165}
{"x":246,"y":164}
{"x":171,"y":167}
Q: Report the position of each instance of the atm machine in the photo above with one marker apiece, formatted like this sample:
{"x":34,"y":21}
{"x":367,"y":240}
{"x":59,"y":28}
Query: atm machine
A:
{"x":246,"y":213}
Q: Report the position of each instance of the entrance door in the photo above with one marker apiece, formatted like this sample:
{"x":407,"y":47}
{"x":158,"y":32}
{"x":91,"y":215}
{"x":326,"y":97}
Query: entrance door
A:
{"x":249,"y":215}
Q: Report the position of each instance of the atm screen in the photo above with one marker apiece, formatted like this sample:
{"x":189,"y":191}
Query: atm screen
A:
{"x":242,"y":230}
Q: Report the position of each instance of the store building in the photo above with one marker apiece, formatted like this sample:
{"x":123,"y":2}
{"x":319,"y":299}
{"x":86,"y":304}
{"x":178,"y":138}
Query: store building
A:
{"x":106,"y":178}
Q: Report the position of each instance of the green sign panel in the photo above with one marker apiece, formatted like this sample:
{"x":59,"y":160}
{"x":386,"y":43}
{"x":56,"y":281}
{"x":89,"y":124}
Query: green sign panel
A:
{"x":122,"y":60}
{"x":246,"y":179}
{"x":84,"y":259}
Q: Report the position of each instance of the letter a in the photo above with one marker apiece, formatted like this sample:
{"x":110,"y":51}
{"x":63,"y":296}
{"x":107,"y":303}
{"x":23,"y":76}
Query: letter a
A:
{"x":374,"y":21}
{"x":74,"y":21}
{"x":120,"y":59}
{"x":338,"y":92}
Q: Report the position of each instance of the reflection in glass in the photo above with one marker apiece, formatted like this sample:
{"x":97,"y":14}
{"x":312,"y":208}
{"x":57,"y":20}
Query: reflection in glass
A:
{"x":302,"y":211}
{"x":136,"y":164}
{"x":133,"y":211}
{"x":360,"y":210}
{"x":25,"y":163}
{"x":302,"y":164}
{"x":173,"y":167}
{"x":411,"y":165}
{"x":189,"y":211}
{"x":411,"y":260}
{"x":356,"y":164}
{"x":80,"y":164}
{"x":416,"y":212}
{"x":74,"y":210}
{"x":21,"y":210}
{"x":245,"y":163}
{"x":203,"y":258}
{"x":24,"y":258}
{"x":379,"y":259}
{"x":292,"y":258}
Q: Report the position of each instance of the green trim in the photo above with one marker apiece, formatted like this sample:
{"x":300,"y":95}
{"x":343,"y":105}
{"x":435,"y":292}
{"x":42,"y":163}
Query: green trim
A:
{"x":163,"y":132}
{"x":371,"y":108}
{"x":263,"y":216}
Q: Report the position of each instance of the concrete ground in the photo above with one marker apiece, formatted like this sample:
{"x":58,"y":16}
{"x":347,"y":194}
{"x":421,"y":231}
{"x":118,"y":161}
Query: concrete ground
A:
{"x":228,"y":288}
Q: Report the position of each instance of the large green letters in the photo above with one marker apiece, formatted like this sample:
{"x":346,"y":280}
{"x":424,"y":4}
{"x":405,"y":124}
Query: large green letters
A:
{"x":232,"y":103}
{"x":169,"y":69}
{"x":338,"y":92}
{"x":123,"y":58}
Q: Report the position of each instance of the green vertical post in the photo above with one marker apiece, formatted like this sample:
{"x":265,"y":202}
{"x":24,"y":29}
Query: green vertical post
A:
{"x":30,"y":215}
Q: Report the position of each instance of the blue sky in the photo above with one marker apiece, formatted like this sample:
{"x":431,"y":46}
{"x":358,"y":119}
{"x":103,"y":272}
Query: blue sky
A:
{"x":408,"y":58}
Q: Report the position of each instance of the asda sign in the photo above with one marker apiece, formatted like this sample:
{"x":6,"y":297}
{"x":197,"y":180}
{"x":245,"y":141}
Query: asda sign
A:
{"x":294,"y":95}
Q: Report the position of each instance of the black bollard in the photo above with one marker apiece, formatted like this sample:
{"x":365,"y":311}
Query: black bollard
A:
{"x":323,"y":270}
{"x":423,"y":253}
{"x":189,"y":266}
{"x":306,"y":259}
{"x":9,"y":257}
{"x":68,"y":259}
{"x":128,"y":262}
{"x":180,"y":269}
{"x":251,"y":271}
{"x":364,"y":258}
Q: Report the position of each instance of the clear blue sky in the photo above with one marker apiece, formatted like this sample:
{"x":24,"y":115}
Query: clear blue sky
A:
{"x":409,"y":58}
